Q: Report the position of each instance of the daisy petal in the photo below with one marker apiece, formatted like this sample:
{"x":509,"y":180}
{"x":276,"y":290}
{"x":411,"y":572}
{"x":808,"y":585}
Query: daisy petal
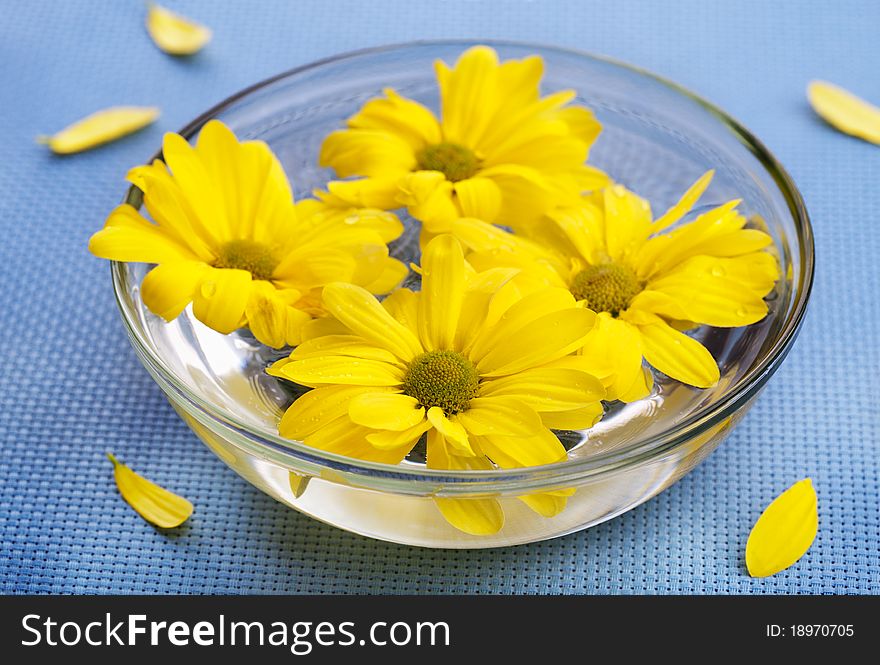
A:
{"x":362,"y":313}
{"x":474,"y":77}
{"x":442,"y":292}
{"x":345,"y":438}
{"x":784,"y":531}
{"x":367,"y":152}
{"x":627,"y":222}
{"x":221,"y":299}
{"x":546,"y":338}
{"x":342,"y":345}
{"x":387,"y":411}
{"x":267,"y":315}
{"x":613,"y":352}
{"x":390,"y":440}
{"x":345,"y":370}
{"x":677,"y":355}
{"x":99,"y":128}
{"x":547,"y":389}
{"x":478,"y":517}
{"x":127,"y":236}
{"x":522,"y":312}
{"x":175,"y":34}
{"x":479,"y":198}
{"x":452,"y":430}
{"x":169,"y":288}
{"x":698,"y":293}
{"x":844,"y":111}
{"x":399,"y":116}
{"x":547,"y":504}
{"x":684,"y":204}
{"x":512,"y":452}
{"x":504,"y":416}
{"x":574,"y":419}
{"x":317,"y":407}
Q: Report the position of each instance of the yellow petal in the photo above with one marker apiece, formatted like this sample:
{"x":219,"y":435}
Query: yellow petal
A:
{"x":317,"y":408}
{"x":155,"y":504}
{"x":547,"y":504}
{"x":221,"y":298}
{"x":574,"y":419}
{"x":627,"y":222}
{"x":390,"y":440}
{"x":478,"y":517}
{"x":479,"y":198}
{"x":442,"y":292}
{"x":452,"y":430}
{"x":677,"y":355}
{"x":504,"y":416}
{"x":388,"y":411}
{"x":510,"y":452}
{"x":547,"y":388}
{"x":399,"y":116}
{"x":613,"y":352}
{"x":367,"y":152}
{"x":684,"y":204}
{"x":169,"y":288}
{"x":784,"y":531}
{"x":127,"y":236}
{"x":361,"y":312}
{"x":175,"y":34}
{"x":428,"y":197}
{"x":99,"y":128}
{"x":324,"y":370}
{"x":343,"y":437}
{"x":844,"y":111}
{"x":342,"y":345}
{"x":546,"y":338}
{"x":268,"y":315}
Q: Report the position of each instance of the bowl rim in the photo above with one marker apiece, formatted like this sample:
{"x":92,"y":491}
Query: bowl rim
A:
{"x":280,"y":450}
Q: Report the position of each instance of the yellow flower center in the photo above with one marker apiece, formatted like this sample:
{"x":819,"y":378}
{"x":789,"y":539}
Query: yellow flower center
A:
{"x":255,"y":257}
{"x":442,"y":378}
{"x":453,"y":160}
{"x":607,"y":287}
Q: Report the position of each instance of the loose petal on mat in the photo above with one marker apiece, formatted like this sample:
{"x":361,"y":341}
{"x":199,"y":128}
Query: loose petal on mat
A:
{"x":175,"y":34}
{"x":99,"y":128}
{"x":844,"y":111}
{"x":784,"y":531}
{"x":155,"y":504}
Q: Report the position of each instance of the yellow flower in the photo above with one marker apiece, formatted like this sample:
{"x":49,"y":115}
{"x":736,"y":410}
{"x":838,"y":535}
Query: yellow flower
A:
{"x":467,"y":359}
{"x":647,"y":286}
{"x":500,"y":152}
{"x":227,"y":237}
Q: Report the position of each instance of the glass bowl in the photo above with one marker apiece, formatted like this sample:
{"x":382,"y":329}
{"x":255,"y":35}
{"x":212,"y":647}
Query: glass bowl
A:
{"x":657,"y":139}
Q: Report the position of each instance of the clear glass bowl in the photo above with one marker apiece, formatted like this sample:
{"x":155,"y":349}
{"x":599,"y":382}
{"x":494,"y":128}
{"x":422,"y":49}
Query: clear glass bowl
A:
{"x":657,"y":139}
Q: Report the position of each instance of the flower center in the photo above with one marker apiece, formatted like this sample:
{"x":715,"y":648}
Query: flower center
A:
{"x":255,"y":257}
{"x":442,"y":378}
{"x":607,"y":287}
{"x":453,"y":160}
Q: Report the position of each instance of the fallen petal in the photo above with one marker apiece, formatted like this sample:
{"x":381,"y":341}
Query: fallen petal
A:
{"x":155,"y":504}
{"x":175,"y":34}
{"x":100,"y":127}
{"x":784,"y":531}
{"x":844,"y":111}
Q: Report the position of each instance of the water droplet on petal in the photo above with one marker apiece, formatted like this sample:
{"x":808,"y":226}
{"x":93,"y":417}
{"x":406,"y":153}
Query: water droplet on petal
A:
{"x":209,"y":288}
{"x":718,"y":271}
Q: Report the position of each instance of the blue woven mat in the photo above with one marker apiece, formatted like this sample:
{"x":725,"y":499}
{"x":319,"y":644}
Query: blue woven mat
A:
{"x":71,"y":388}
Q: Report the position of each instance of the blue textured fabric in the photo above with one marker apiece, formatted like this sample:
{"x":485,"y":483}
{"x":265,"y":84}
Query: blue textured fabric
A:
{"x":71,"y":388}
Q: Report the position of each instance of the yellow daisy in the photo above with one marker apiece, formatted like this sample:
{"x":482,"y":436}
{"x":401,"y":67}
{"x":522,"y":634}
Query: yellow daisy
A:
{"x":646,"y":285}
{"x":499,"y":152}
{"x":227,"y":237}
{"x":467,"y":359}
